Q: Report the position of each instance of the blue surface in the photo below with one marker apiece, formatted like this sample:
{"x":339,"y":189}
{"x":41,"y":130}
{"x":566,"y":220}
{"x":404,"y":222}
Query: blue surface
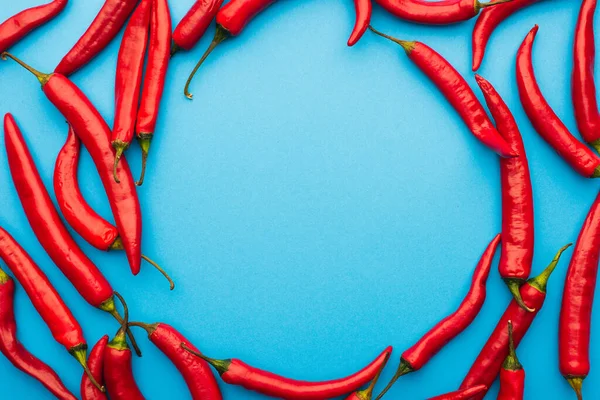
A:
{"x":314,"y":203}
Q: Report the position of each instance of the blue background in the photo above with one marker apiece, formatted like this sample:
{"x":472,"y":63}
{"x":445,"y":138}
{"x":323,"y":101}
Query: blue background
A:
{"x":314,"y":203}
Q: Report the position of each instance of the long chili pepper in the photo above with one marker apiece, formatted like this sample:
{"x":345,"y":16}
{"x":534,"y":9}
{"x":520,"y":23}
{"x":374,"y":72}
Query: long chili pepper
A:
{"x":15,"y":352}
{"x":57,"y":316}
{"x":96,"y":365}
{"x":464,"y":394}
{"x":447,"y":329}
{"x":154,"y":81}
{"x":237,"y":372}
{"x":517,"y":197}
{"x":194,"y":24}
{"x":20,"y":25}
{"x":363,"y":19}
{"x":130,"y":69}
{"x":195,"y":371}
{"x":487,"y":21}
{"x":583,"y":85}
{"x":545,"y":121}
{"x":512,"y":374}
{"x":457,"y":91}
{"x":488,"y":363}
{"x":83,"y":219}
{"x":578,"y":297}
{"x":95,"y":135}
{"x":232,"y":18}
{"x":367,"y":394}
{"x":101,"y":32}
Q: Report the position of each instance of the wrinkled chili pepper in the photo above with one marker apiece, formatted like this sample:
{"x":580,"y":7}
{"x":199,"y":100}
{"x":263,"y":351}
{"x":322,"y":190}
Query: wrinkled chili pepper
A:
{"x":16,"y":353}
{"x":95,"y":135}
{"x":578,"y":297}
{"x":464,"y":394}
{"x":517,"y":198}
{"x":363,"y":19}
{"x":101,"y":32}
{"x":367,"y":394}
{"x":154,"y":81}
{"x":232,"y":18}
{"x":96,"y":365}
{"x":488,"y":363}
{"x":457,"y":91}
{"x":194,"y":24}
{"x":20,"y":25}
{"x":545,"y":121}
{"x":447,"y":329}
{"x":512,"y":374}
{"x":237,"y":372}
{"x":195,"y":371}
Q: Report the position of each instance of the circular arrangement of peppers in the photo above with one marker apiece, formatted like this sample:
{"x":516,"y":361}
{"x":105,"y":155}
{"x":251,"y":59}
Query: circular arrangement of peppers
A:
{"x":146,"y":48}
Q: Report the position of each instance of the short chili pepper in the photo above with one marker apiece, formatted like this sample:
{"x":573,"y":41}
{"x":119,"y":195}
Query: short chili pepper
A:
{"x":95,"y":135}
{"x":457,"y":91}
{"x":101,"y":32}
{"x":367,"y":394}
{"x":447,"y":329}
{"x":237,"y":372}
{"x":20,"y":25}
{"x":16,"y":353}
{"x":578,"y":297}
{"x":583,"y":86}
{"x":512,"y":374}
{"x":96,"y":365}
{"x":364,"y":9}
{"x":194,"y":24}
{"x":154,"y":81}
{"x":232,"y":18}
{"x":545,"y":121}
{"x":517,"y":198}
{"x":464,"y":394}
{"x":195,"y":371}
{"x":488,"y":363}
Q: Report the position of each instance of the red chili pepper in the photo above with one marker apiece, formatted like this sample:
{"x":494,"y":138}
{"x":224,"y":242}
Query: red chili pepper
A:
{"x":16,"y":353}
{"x":363,"y":19}
{"x":512,"y":375}
{"x":464,"y":394}
{"x":582,"y":84}
{"x":545,"y":121}
{"x":154,"y":81}
{"x":195,"y":371}
{"x":447,"y":329}
{"x":237,"y":372}
{"x":232,"y":18}
{"x":367,"y":394}
{"x":578,"y":297}
{"x":457,"y":91}
{"x":20,"y":25}
{"x":487,"y":21}
{"x":194,"y":24}
{"x":487,"y":366}
{"x":517,"y":198}
{"x":101,"y":32}
{"x":96,"y":365}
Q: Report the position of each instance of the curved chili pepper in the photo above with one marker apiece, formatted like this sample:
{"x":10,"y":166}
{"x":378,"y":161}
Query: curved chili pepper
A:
{"x":237,"y":372}
{"x":578,"y":297}
{"x":457,"y":91}
{"x":96,"y":365}
{"x":487,"y":21}
{"x":464,"y":394}
{"x":16,"y":353}
{"x":195,"y":371}
{"x":154,"y":81}
{"x":20,"y":25}
{"x":583,"y":86}
{"x":512,"y":375}
{"x":517,"y":198}
{"x":367,"y":394}
{"x":194,"y":24}
{"x":101,"y":32}
{"x":363,"y":19}
{"x":545,"y":121}
{"x":487,"y":366}
{"x":447,"y":329}
{"x":232,"y":18}
{"x":95,"y":135}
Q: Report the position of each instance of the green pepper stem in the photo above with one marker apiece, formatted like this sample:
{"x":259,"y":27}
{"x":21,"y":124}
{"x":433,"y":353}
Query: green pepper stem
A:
{"x":403,"y":369}
{"x":511,"y":363}
{"x":43,"y":78}
{"x":514,"y":286}
{"x":541,"y":281}
{"x":367,"y":394}
{"x":80,"y":354}
{"x":221,"y":366}
{"x":406,"y":45}
{"x":162,"y":271}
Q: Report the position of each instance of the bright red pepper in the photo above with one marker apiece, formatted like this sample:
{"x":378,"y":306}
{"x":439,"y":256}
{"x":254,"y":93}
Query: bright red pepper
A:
{"x":464,"y":394}
{"x":363,"y":19}
{"x":512,"y":374}
{"x":194,"y":24}
{"x":367,"y":394}
{"x":545,"y":121}
{"x":20,"y":25}
{"x":96,"y":365}
{"x":101,"y":32}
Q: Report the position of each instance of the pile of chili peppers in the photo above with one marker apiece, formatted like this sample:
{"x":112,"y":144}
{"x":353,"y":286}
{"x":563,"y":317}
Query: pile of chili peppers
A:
{"x":146,"y":48}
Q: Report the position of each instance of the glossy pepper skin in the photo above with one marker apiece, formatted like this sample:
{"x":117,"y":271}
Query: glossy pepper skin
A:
{"x":194,"y":24}
{"x":364,"y":9}
{"x":464,"y":394}
{"x":488,"y":363}
{"x":118,"y":374}
{"x":512,"y":374}
{"x":578,"y":297}
{"x":96,"y":365}
{"x":16,"y":353}
{"x":545,"y":121}
{"x":101,"y":32}
{"x":441,"y":12}
{"x":20,"y":25}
